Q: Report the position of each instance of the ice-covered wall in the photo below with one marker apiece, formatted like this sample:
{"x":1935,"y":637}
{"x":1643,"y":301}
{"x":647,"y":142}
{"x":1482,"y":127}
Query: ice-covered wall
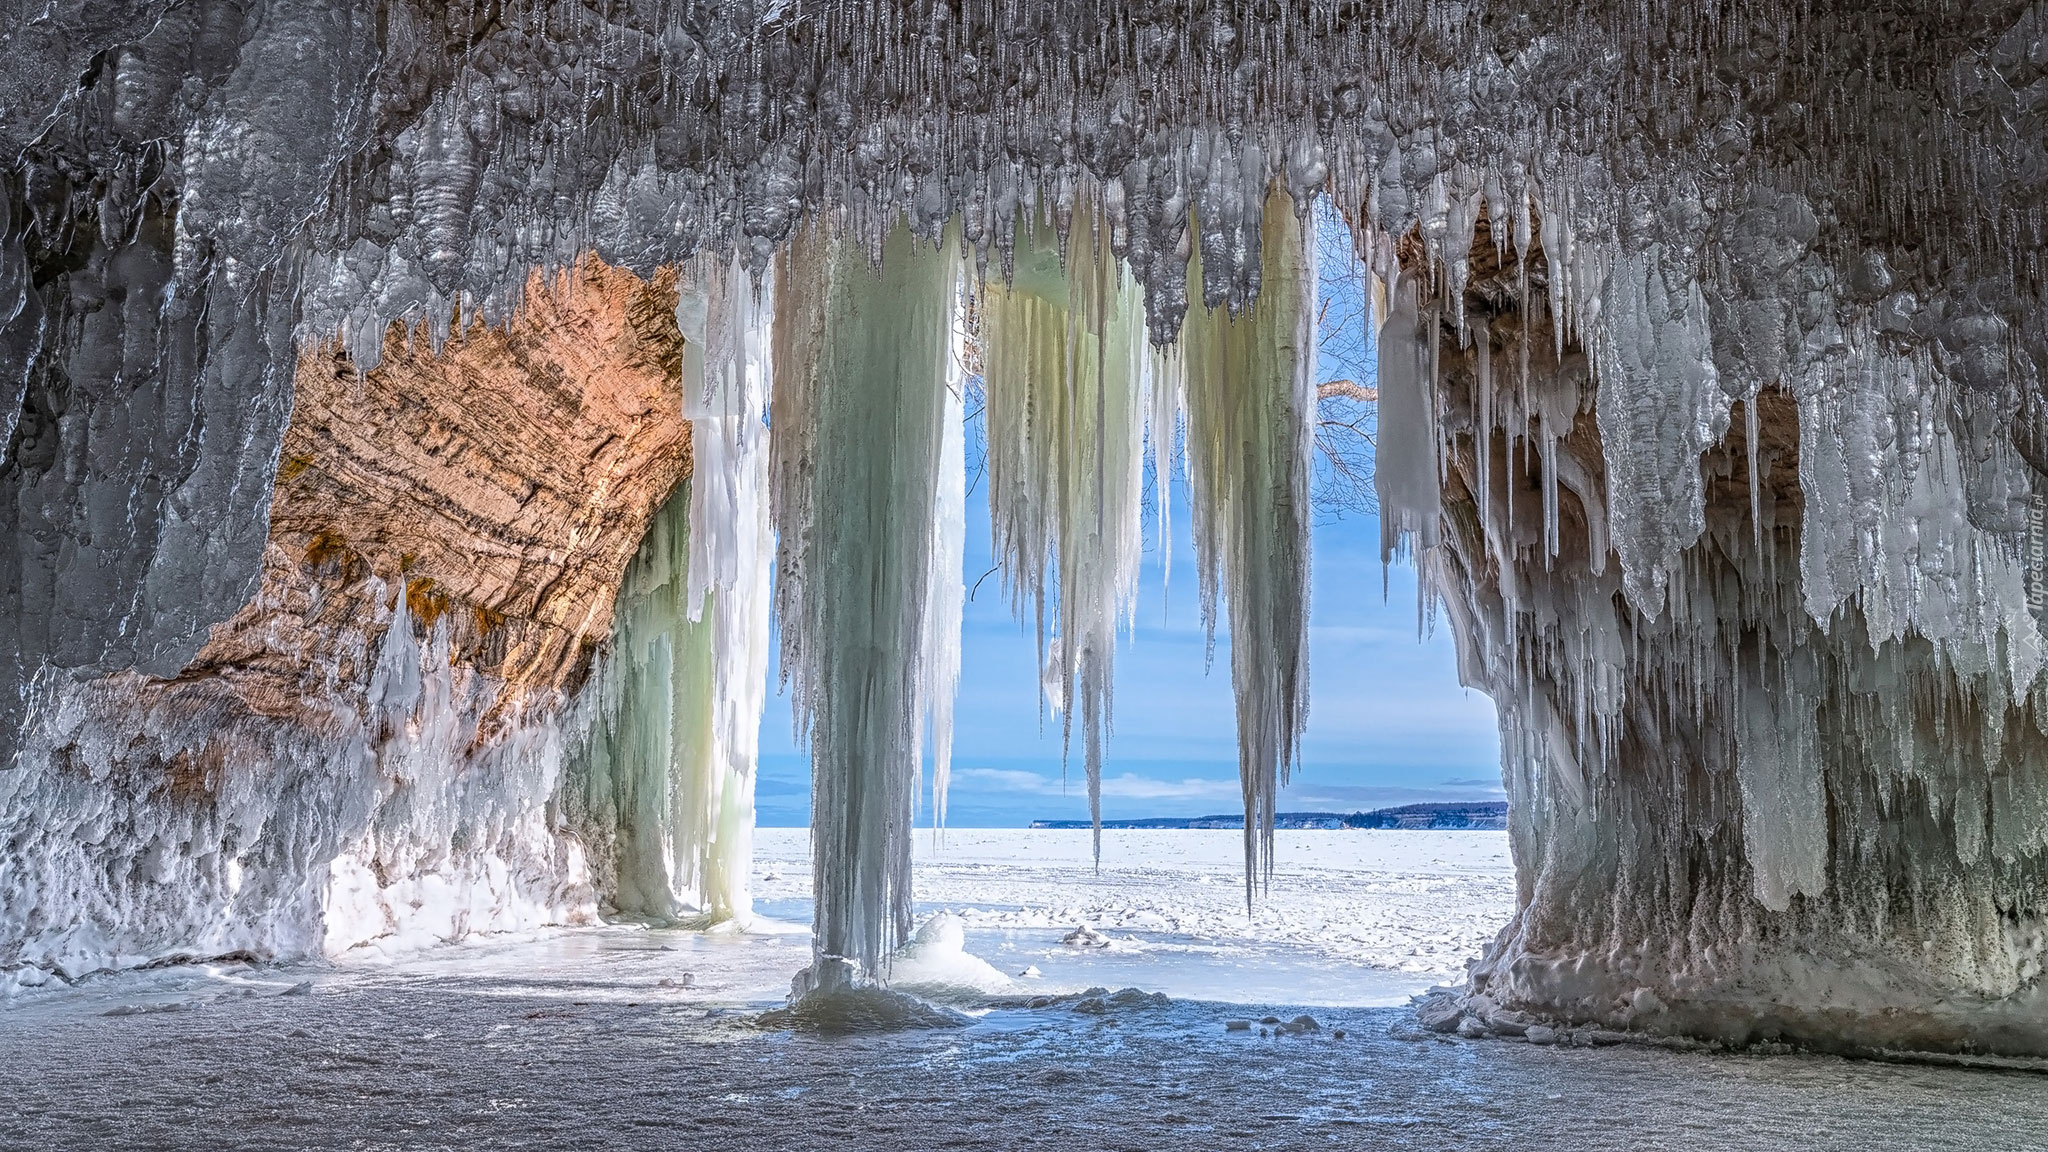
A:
{"x":368,"y":752}
{"x":1768,"y":670}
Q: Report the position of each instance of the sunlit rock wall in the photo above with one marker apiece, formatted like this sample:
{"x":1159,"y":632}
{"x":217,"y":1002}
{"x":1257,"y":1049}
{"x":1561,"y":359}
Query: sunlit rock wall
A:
{"x":365,"y":752}
{"x":1792,"y":788}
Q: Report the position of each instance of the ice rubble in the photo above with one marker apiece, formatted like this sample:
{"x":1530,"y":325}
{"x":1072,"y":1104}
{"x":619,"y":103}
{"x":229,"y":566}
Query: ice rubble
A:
{"x":1808,"y":716}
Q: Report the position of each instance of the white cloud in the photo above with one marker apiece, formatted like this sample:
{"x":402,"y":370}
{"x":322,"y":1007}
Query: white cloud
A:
{"x":1129,"y":785}
{"x":1139,"y":787}
{"x":1008,"y":780}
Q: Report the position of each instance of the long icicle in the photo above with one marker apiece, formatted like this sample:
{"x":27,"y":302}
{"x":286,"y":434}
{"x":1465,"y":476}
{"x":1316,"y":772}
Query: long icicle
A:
{"x":860,"y":354}
{"x":665,"y":782}
{"x":731,"y":547}
{"x":1063,"y":367}
{"x":948,"y":605}
{"x":1250,"y":402}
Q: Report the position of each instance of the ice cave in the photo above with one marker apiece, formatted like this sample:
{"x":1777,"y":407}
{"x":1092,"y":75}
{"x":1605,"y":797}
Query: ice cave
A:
{"x":429,"y":432}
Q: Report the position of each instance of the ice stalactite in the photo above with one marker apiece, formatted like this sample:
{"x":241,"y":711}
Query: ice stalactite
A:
{"x":1405,"y":466}
{"x":1661,"y":405}
{"x":861,"y":350}
{"x":732,"y":545}
{"x":947,"y":609}
{"x":1250,"y":381}
{"x":1063,"y":355}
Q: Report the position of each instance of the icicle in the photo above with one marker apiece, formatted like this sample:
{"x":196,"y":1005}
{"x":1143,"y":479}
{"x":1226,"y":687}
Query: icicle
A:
{"x":860,"y":354}
{"x":1483,"y":436}
{"x":1064,"y":364}
{"x":1250,"y":404}
{"x":1749,"y":439}
{"x":730,"y":552}
{"x":1405,"y":470}
{"x":1165,"y":379}
{"x":948,"y":588}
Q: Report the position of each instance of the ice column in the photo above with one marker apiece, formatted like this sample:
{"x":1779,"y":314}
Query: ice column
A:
{"x":726,"y":370}
{"x":1250,"y":400}
{"x":668,"y":772}
{"x":1062,"y":362}
{"x":860,"y":353}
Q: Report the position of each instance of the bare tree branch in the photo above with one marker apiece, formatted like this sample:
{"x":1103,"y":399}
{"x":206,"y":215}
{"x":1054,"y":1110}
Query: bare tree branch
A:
{"x":1349,"y":390}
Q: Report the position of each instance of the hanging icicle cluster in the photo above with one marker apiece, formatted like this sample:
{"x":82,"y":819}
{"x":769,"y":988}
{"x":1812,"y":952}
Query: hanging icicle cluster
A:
{"x":1250,"y":388}
{"x":861,"y":350}
{"x":1064,"y":353}
{"x":667,"y":777}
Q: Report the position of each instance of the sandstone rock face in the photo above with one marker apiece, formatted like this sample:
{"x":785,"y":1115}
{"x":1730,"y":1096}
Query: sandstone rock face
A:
{"x":367,"y":748}
{"x":503,"y":483}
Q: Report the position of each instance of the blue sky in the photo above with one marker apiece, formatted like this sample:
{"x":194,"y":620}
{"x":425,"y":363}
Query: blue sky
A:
{"x":1388,"y":722}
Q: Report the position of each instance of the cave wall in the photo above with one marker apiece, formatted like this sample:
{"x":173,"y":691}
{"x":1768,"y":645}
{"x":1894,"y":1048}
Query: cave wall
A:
{"x":367,"y":751}
{"x":1788,"y":785}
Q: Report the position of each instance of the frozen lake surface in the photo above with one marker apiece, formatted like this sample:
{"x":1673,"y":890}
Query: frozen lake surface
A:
{"x":1352,"y":918}
{"x":630,"y":1038}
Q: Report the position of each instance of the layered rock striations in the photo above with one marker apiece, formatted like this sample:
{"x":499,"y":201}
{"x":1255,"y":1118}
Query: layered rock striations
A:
{"x":370,"y":746}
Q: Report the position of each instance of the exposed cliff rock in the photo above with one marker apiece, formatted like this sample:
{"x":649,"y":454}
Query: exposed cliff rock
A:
{"x":369,"y":746}
{"x":503,"y":482}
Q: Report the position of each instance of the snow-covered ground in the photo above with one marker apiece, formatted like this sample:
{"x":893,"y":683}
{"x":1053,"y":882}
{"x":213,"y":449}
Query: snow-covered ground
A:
{"x":1350,"y":918}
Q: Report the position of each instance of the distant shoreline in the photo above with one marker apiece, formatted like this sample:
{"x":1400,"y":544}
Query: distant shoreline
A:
{"x":1475,"y":816}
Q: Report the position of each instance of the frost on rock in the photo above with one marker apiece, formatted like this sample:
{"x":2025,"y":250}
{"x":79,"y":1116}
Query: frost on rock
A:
{"x":385,"y":831}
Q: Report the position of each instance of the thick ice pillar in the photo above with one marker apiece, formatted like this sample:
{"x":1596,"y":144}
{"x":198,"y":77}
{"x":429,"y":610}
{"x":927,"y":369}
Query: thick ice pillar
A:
{"x":861,"y":352}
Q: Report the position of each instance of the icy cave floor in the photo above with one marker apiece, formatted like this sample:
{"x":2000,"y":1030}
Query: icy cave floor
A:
{"x":625,"y":1037}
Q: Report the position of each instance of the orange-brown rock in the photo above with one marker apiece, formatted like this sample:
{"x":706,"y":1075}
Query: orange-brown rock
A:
{"x":502,"y":483}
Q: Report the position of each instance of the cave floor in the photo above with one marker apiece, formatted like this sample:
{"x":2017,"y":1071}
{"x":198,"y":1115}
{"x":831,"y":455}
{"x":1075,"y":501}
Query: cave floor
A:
{"x":628,"y":1038}
{"x":594,"y":1039}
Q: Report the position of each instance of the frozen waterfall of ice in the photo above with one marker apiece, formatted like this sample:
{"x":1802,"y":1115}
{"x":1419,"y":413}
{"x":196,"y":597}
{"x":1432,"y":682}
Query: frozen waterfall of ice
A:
{"x":1063,"y":350}
{"x":861,"y":352}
